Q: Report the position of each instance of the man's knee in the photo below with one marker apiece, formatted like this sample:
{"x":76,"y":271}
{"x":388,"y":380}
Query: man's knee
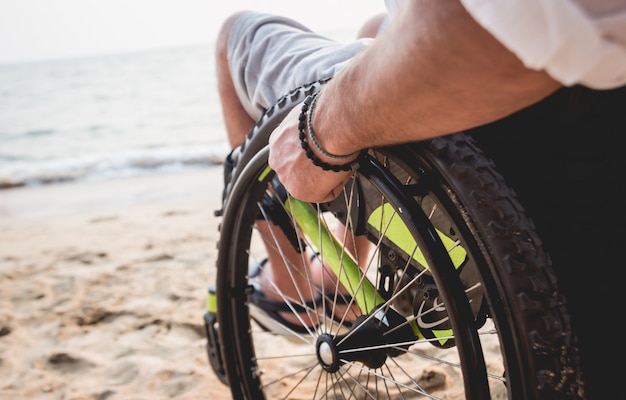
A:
{"x":373,"y":26}
{"x":224,"y":33}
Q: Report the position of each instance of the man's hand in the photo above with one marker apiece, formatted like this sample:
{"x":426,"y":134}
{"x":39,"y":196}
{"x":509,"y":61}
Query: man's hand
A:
{"x":304,"y":180}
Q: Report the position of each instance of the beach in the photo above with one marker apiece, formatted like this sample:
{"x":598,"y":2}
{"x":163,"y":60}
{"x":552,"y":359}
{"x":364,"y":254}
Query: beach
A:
{"x":103,"y":287}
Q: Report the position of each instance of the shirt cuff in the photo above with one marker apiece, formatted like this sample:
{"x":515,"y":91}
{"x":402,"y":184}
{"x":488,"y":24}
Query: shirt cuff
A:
{"x":556,"y":36}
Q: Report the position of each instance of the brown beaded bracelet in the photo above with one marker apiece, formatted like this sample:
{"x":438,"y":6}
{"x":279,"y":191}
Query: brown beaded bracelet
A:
{"x":302,"y":123}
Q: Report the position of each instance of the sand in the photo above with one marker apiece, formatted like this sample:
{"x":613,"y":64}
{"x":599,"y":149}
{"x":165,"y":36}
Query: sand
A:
{"x":102,"y":288}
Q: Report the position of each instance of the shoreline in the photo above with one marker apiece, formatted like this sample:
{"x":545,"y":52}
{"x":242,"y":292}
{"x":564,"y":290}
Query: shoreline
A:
{"x":99,"y":195}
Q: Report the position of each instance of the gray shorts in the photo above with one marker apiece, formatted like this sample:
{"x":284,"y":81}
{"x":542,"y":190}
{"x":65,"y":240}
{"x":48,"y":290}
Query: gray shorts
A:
{"x":270,"y":55}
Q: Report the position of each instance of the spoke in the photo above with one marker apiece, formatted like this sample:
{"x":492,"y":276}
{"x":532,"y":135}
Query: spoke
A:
{"x":295,"y":386}
{"x":395,"y":382}
{"x":356,"y":381}
{"x":263,"y":358}
{"x":307,"y":371}
{"x":373,"y":315}
{"x":387,"y":379}
{"x":290,"y":268}
{"x":303,"y":254}
{"x":404,"y":372}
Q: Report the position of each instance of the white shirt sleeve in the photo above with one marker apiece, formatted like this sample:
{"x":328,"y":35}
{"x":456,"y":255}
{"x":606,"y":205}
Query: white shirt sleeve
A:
{"x":572,"y":44}
{"x":392,"y":7}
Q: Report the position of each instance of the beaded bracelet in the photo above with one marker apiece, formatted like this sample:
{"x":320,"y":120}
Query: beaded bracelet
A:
{"x":314,"y":140}
{"x":353,"y":165}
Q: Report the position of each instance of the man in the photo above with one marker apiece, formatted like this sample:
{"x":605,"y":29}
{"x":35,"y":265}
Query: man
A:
{"x":540,"y":85}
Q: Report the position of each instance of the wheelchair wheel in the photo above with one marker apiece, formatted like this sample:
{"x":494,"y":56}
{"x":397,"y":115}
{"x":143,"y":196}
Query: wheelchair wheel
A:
{"x":466,"y":303}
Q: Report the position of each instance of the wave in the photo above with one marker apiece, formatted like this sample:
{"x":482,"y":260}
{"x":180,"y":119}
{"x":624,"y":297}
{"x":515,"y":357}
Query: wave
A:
{"x":109,"y":166}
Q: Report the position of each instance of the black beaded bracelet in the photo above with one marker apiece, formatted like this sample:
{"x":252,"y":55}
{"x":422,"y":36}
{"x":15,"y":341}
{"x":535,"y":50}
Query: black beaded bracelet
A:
{"x":312,"y":134}
{"x":302,"y":124}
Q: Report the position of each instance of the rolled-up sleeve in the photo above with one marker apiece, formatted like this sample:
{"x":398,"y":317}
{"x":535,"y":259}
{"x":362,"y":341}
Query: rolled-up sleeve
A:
{"x":580,"y":42}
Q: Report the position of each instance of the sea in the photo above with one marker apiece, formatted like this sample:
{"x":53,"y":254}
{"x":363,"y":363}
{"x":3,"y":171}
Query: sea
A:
{"x":110,"y":116}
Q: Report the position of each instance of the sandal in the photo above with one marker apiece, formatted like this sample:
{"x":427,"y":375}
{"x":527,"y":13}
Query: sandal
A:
{"x":266,"y":311}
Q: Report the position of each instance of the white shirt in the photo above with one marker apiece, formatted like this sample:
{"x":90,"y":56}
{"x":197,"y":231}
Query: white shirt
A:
{"x":575,"y":41}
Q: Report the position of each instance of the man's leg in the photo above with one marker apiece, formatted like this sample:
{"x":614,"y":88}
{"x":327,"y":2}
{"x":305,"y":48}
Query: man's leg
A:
{"x":239,"y":122}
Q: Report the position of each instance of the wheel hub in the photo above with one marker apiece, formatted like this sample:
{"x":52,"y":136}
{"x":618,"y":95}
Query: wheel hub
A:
{"x":370,"y":341}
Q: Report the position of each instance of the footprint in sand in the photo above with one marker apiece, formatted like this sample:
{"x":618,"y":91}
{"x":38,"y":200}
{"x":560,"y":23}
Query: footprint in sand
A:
{"x":67,"y":363}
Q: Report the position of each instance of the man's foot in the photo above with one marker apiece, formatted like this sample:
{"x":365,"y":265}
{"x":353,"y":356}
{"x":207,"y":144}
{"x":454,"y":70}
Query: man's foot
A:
{"x":339,"y":303}
{"x":280,"y":314}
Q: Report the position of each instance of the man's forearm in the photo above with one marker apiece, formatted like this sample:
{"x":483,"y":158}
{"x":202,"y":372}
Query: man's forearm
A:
{"x":434,"y":71}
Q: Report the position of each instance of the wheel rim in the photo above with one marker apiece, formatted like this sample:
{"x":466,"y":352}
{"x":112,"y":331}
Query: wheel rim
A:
{"x":418,"y":371}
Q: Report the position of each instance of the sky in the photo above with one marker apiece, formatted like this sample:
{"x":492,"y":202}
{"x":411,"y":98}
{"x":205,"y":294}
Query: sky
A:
{"x":32,"y":30}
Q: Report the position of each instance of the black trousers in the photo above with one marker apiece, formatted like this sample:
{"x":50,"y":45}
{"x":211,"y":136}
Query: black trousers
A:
{"x":565,"y":158}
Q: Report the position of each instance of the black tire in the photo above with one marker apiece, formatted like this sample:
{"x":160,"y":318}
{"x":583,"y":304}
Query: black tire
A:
{"x":511,"y":336}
